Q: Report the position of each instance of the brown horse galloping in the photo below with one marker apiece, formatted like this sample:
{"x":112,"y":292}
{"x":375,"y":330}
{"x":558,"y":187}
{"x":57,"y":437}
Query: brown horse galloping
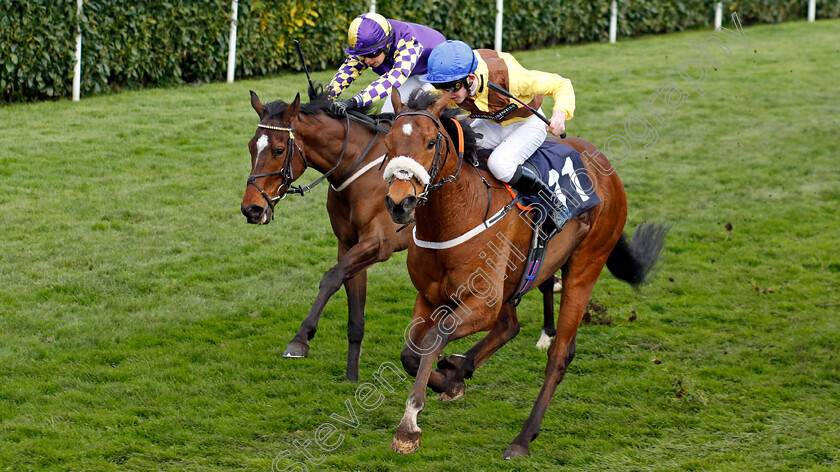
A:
{"x":462,"y":289}
{"x":292,"y":137}
{"x":349,"y":154}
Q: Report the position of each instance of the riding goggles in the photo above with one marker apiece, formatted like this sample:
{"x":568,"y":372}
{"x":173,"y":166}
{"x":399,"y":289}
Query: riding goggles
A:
{"x":374,"y":54}
{"x":453,"y":86}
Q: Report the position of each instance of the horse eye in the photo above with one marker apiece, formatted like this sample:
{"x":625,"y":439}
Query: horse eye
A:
{"x":279,"y":152}
{"x":431,"y":144}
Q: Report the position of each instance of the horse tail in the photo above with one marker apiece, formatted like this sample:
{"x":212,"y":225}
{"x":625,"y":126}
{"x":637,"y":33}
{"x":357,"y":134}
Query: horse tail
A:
{"x":633,"y":262}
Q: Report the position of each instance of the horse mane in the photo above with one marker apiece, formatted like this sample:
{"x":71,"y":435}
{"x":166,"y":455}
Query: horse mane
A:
{"x":318,"y":105}
{"x":423,"y":99}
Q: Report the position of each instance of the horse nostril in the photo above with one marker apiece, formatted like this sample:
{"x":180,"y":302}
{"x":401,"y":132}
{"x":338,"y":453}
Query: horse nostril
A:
{"x":252,"y":212}
{"x":389,"y":203}
{"x":409,"y":203}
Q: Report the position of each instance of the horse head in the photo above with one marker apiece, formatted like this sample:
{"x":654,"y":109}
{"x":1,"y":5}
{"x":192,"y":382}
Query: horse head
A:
{"x":418,"y":146}
{"x":273,"y":164}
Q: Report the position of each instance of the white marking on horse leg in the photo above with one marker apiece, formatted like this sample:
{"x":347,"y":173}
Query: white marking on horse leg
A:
{"x":407,"y":129}
{"x":409,"y":419}
{"x":262,"y":143}
{"x":544,"y":341}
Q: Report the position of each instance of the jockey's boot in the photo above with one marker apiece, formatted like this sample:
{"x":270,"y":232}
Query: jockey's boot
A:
{"x":525,"y":181}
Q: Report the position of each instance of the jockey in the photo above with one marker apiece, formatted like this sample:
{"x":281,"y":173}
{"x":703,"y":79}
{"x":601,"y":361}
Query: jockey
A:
{"x":510,"y":130}
{"x":395,"y":50}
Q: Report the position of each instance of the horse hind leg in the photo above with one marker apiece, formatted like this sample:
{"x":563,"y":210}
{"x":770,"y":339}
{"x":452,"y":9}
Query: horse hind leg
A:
{"x":548,"y":331}
{"x":578,"y":283}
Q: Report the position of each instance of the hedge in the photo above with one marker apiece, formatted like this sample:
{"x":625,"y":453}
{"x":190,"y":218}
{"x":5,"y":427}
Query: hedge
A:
{"x":159,"y":42}
{"x":36,"y":49}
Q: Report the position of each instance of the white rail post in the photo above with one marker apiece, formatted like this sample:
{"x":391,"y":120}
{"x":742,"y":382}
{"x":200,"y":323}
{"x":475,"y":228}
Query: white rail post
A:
{"x":77,"y":69}
{"x":718,"y":15}
{"x":234,"y":7}
{"x":373,"y":6}
{"x":812,"y":10}
{"x":613,"y":20}
{"x":500,"y":13}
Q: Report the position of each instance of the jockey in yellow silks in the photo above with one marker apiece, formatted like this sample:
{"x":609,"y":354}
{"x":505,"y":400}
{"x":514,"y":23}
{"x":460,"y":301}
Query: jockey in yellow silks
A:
{"x":506,"y":127}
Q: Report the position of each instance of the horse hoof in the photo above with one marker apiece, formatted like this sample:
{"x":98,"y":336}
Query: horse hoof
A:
{"x":406,"y":443}
{"x":454,"y":391}
{"x":296,"y":349}
{"x":515,"y":450}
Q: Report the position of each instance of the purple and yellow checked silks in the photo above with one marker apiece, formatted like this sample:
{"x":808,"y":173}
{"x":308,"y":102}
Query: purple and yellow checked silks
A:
{"x":405,"y":56}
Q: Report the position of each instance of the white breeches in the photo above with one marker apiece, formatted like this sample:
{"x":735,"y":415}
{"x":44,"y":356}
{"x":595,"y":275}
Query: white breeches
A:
{"x":513,"y":144}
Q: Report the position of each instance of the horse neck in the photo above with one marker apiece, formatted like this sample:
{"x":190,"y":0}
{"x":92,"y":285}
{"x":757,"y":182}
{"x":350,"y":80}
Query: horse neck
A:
{"x":324,"y":140}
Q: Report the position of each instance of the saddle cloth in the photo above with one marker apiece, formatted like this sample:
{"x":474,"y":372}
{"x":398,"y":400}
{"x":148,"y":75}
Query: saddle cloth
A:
{"x":561,"y":168}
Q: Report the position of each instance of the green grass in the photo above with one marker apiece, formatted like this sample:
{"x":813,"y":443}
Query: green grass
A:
{"x":142,"y":321}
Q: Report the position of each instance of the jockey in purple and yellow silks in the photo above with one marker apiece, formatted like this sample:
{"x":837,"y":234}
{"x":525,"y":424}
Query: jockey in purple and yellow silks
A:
{"x":506,"y":127}
{"x":395,"y":50}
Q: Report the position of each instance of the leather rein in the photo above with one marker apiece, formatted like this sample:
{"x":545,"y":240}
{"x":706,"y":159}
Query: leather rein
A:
{"x":288,"y":173}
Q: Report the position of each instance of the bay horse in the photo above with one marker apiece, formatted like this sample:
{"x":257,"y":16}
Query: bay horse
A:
{"x":348,"y":152}
{"x":462,"y":289}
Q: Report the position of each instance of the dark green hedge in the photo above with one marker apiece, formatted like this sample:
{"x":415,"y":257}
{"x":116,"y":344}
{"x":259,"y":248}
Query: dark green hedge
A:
{"x":37,"y":43}
{"x":139,"y":44}
{"x":158,"y":42}
{"x":536,"y":23}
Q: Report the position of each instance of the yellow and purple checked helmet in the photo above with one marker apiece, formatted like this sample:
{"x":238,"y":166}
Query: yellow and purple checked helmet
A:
{"x":368,"y":33}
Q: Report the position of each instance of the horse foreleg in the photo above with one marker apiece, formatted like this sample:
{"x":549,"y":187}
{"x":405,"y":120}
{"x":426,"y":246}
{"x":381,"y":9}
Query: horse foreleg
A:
{"x":350,"y":262}
{"x":412,"y":353}
{"x":407,"y":438}
{"x":356,"y":289}
{"x":457,"y":368}
{"x":577,"y":287}
{"x":548,"y":331}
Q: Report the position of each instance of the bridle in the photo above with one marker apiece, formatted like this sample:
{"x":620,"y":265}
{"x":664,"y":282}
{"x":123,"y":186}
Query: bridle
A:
{"x":437,"y":164}
{"x":287,"y":173}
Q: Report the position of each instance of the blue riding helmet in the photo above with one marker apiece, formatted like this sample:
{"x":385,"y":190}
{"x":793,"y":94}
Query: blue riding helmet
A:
{"x":368,"y":33}
{"x":449,"y":61}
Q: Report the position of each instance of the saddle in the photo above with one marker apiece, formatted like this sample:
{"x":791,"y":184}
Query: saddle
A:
{"x":561,"y":167}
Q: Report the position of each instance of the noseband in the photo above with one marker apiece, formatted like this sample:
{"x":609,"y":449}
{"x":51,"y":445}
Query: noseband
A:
{"x":286,"y":172}
{"x":437,"y":165}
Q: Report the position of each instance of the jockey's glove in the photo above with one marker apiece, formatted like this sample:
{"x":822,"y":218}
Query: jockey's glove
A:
{"x":341,"y":108}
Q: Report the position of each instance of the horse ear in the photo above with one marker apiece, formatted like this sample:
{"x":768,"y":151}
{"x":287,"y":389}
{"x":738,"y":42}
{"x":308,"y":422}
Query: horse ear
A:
{"x":437,"y":108}
{"x":396,"y":100}
{"x":258,"y":106}
{"x":293,"y":109}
